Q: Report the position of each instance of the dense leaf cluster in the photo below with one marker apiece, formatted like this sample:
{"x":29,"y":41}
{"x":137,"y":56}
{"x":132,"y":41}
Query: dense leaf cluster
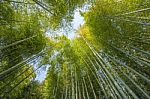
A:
{"x":108,"y":59}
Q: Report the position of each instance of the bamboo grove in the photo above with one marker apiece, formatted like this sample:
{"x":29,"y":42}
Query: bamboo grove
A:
{"x":108,"y":59}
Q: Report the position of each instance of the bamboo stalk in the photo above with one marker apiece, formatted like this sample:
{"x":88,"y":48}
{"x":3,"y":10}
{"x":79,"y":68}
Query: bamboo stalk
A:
{"x":80,"y":97}
{"x":109,"y":83}
{"x":8,"y":83}
{"x":144,"y":52}
{"x":72,"y":85}
{"x":126,"y":86}
{"x":132,"y":12}
{"x":92,"y":87}
{"x":76,"y":88}
{"x":13,"y":68}
{"x":18,"y":42}
{"x":22,"y":80}
{"x":141,"y":23}
{"x":148,"y":97}
{"x":143,"y":18}
{"x":116,"y":86}
{"x":98,"y":80}
{"x":100,"y":61}
{"x":86,"y":89}
{"x":131,"y":56}
{"x":93,"y":72}
{"x":140,"y":75}
{"x":4,"y":73}
{"x":83,"y":92}
{"x":18,"y":2}
{"x":112,"y":78}
{"x":109,"y":75}
{"x":41,"y":5}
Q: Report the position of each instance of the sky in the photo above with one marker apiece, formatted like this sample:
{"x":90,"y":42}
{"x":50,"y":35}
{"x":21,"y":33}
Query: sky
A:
{"x":77,"y":21}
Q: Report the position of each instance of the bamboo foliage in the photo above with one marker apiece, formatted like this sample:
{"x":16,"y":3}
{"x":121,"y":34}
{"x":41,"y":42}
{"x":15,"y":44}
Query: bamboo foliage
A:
{"x":108,"y":59}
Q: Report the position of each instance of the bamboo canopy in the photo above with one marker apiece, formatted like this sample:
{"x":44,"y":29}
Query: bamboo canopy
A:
{"x":108,"y":58}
